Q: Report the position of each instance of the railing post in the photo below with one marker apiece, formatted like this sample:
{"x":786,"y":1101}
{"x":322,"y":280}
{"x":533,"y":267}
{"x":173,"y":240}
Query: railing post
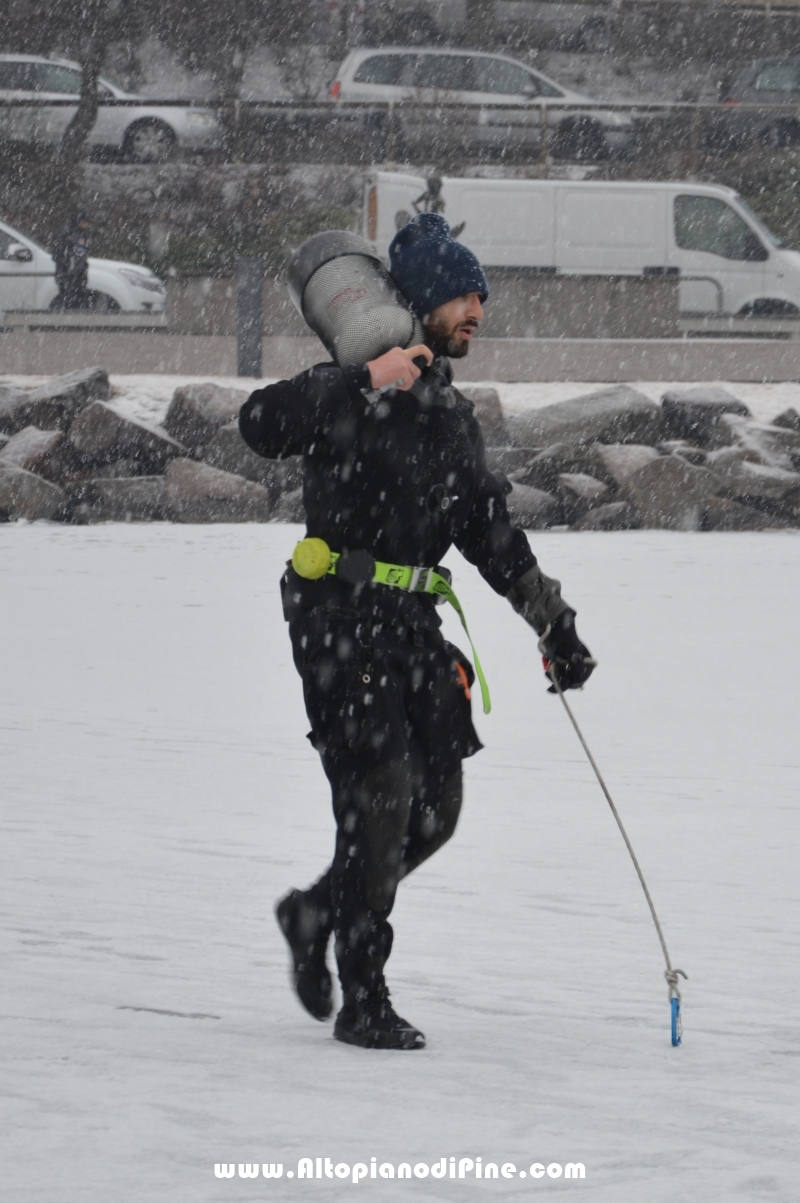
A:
{"x":249,"y":317}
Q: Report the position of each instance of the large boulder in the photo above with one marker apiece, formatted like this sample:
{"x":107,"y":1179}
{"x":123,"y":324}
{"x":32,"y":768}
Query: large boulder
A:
{"x":509,"y":459}
{"x":620,"y":460}
{"x":695,"y":455}
{"x":772,"y":489}
{"x":617,"y":515}
{"x":101,"y":435}
{"x":695,"y":413}
{"x":120,"y":499}
{"x":671,"y":494}
{"x":53,"y":406}
{"x":774,"y":446}
{"x":197,"y":493}
{"x":48,"y":453}
{"x":489,"y":413}
{"x":229,"y":452}
{"x":788,"y":420}
{"x":533,"y":509}
{"x":290,"y":508}
{"x":613,"y":415}
{"x":542,"y":470}
{"x":25,"y":495}
{"x":723,"y":514}
{"x":580,"y":493}
{"x":197,"y":411}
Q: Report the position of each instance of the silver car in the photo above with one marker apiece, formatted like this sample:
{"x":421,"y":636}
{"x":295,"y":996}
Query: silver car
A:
{"x":510,"y":96}
{"x":145,"y":133}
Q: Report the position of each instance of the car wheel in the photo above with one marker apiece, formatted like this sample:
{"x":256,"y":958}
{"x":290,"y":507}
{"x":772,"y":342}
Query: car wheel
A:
{"x":581,"y":140}
{"x":101,"y":302}
{"x":149,"y":142}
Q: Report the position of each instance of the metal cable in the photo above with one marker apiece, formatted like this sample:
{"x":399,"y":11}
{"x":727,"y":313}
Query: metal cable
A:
{"x":670,"y":974}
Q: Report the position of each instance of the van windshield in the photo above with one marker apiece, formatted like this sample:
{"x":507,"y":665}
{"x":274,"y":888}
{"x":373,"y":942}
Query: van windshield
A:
{"x":762,"y":229}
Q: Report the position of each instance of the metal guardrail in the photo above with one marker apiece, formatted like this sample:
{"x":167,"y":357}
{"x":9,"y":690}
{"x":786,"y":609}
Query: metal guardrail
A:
{"x":31,"y":319}
{"x":383,"y":121}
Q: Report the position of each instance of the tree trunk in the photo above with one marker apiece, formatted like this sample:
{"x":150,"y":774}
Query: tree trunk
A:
{"x":71,"y":151}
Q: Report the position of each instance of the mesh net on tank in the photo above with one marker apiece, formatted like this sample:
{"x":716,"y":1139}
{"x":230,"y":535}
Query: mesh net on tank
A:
{"x":356,"y":310}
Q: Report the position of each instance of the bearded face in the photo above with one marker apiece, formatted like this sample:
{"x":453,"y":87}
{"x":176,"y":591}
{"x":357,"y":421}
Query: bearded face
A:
{"x":450,"y":328}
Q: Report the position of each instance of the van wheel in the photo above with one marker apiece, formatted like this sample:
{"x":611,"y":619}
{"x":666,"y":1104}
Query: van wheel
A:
{"x":149,"y":142}
{"x":769,"y":307}
{"x":581,"y":140}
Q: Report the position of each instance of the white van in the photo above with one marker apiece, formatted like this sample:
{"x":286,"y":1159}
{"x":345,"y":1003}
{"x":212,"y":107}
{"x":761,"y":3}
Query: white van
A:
{"x":727,"y":259}
{"x":28,"y":279}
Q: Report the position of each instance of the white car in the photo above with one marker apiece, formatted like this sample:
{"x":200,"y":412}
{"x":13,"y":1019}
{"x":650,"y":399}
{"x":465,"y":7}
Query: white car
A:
{"x":27,"y":280}
{"x":146,"y":133}
{"x":510,"y":97}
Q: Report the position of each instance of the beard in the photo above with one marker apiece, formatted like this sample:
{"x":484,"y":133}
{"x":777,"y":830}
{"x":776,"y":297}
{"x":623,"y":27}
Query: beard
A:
{"x":449,"y":340}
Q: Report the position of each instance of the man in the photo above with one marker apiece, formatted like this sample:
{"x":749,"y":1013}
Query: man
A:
{"x":71,"y":255}
{"x":393,"y":478}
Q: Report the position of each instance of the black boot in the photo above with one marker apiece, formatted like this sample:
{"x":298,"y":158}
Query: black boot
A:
{"x":307,"y":930}
{"x":369,"y":1020}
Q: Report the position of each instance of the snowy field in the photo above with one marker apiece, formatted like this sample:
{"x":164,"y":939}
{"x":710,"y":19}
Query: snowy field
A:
{"x":159,"y":794}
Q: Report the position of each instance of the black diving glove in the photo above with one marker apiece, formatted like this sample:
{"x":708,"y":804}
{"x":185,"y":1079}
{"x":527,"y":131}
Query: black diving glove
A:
{"x":564,"y":654}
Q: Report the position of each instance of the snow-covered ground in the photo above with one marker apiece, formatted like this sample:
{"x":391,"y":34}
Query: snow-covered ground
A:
{"x":159,"y":794}
{"x":147,"y":397}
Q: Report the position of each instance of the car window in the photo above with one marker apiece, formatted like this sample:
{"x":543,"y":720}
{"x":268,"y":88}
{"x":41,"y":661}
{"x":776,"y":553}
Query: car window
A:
{"x":444,"y":72}
{"x":50,"y":77}
{"x":393,"y":69}
{"x":703,"y":223}
{"x":16,"y":77}
{"x":5,"y":243}
{"x":778,"y":77}
{"x":496,"y":75}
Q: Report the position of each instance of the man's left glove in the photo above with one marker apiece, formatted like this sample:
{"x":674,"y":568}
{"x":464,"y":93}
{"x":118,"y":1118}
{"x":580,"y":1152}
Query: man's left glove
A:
{"x":564,"y":654}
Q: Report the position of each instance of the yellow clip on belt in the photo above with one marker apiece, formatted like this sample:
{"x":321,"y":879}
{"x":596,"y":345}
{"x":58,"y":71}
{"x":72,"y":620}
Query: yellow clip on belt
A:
{"x":312,"y":559}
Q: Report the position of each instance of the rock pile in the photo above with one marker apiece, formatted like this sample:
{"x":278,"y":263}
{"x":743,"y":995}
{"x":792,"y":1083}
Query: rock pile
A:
{"x":67,"y":454}
{"x":613,"y":460}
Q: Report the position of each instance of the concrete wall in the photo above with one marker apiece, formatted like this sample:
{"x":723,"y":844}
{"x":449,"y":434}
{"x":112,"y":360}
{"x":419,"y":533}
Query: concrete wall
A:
{"x":523,"y":304}
{"x":528,"y":304}
{"x":677,"y":359}
{"x":206,"y":305}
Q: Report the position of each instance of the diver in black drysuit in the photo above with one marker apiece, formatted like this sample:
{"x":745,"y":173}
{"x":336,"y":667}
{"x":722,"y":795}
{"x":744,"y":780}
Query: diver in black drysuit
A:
{"x":401,"y":476}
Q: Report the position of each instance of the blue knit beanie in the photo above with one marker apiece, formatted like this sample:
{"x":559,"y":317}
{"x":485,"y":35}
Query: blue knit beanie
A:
{"x":430,"y":268}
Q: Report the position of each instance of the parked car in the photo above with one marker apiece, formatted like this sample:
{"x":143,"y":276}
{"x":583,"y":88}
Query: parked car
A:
{"x":763,"y":82}
{"x":145,"y":133}
{"x":727,"y":261}
{"x":27,"y":279}
{"x":509,"y":95}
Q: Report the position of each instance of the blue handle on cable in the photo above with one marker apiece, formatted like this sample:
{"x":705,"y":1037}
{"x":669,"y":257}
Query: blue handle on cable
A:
{"x":677,"y":1027}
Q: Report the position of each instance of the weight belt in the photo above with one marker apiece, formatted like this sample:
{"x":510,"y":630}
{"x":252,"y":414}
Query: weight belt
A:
{"x":312,"y":559}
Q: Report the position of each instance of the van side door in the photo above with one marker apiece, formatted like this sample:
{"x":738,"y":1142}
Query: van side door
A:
{"x":610,"y":230}
{"x":721,"y":258}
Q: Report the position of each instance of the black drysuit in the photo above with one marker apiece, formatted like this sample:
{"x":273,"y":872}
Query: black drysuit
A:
{"x":403,"y":477}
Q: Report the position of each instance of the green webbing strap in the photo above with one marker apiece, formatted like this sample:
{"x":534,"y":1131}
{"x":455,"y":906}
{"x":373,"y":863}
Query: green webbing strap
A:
{"x":425,"y":580}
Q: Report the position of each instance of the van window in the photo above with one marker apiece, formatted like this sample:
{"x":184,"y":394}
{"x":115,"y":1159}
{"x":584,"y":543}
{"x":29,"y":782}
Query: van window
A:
{"x":703,"y":223}
{"x":778,"y":77}
{"x":393,"y":69}
{"x":445,"y":72}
